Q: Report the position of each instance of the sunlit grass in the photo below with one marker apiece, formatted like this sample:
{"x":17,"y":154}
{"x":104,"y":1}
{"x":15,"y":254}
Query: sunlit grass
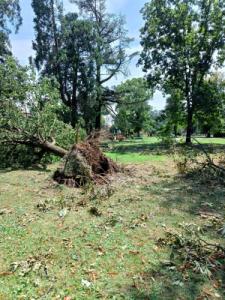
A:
{"x":135,"y":157}
{"x":216,"y":141}
{"x":149,"y":149}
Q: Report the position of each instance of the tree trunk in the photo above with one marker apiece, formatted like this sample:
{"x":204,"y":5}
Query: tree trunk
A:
{"x":189,"y":123}
{"x":74,"y":105}
{"x":175,"y":130}
{"x":208,"y":134}
{"x":73,"y":114}
{"x":43,"y":145}
{"x":51,"y":148}
{"x":98,"y":122}
{"x":98,"y":100}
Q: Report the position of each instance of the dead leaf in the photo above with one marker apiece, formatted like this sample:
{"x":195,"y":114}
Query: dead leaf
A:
{"x":101,"y":251}
{"x":112,"y":274}
{"x":93,"y":276}
{"x":217,"y":284}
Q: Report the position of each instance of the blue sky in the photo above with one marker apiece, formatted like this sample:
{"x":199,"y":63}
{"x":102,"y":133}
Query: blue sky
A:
{"x":22,"y":42}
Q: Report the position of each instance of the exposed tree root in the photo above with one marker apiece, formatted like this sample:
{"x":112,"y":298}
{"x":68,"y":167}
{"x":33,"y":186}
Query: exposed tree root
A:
{"x":85,"y":163}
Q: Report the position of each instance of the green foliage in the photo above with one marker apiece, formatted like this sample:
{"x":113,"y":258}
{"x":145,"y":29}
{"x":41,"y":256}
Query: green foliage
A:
{"x":181,"y":41}
{"x":133,"y":110}
{"x":28,"y":114}
{"x":9,"y":14}
{"x":78,"y":51}
{"x":174,"y":114}
{"x":210,"y":107}
{"x":47,"y":15}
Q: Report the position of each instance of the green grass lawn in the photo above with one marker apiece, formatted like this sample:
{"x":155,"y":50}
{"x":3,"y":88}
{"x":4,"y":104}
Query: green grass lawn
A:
{"x":127,"y":158}
{"x":137,"y":151}
{"x":215,"y":141}
{"x":53,"y":247}
{"x":150,"y":149}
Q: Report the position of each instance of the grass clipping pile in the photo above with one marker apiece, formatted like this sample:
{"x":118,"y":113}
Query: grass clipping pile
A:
{"x":84,"y":164}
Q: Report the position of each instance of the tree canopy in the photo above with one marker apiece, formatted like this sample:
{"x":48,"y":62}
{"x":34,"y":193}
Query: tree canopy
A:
{"x":29,"y":113}
{"x":182,"y":41}
{"x":133,"y":110}
{"x":9,"y":15}
{"x":83,"y":52}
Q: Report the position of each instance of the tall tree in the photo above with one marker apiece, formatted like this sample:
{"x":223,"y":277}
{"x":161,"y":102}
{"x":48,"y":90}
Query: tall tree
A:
{"x":76,"y":63}
{"x":9,"y":14}
{"x":133,"y":110}
{"x":210,"y":109}
{"x":110,"y":43}
{"x":182,"y":41}
{"x":48,"y":14}
{"x":63,"y":45}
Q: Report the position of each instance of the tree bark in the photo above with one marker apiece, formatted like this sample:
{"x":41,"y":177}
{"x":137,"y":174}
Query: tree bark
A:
{"x":73,"y":113}
{"x":189,"y":122}
{"x":175,"y":130}
{"x":189,"y":129}
{"x":208,"y":135}
{"x":98,"y":122}
{"x":43,"y":145}
{"x":51,"y":148}
{"x":98,"y":100}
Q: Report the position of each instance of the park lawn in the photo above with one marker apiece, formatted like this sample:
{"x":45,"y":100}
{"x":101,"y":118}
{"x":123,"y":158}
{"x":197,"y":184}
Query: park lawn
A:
{"x":53,"y":247}
{"x":215,"y":141}
{"x":135,"y":158}
{"x":150,"y":149}
{"x":156,"y":140}
{"x":136,"y":151}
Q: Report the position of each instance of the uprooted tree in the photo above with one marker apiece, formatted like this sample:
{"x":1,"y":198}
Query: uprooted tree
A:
{"x":29,"y":119}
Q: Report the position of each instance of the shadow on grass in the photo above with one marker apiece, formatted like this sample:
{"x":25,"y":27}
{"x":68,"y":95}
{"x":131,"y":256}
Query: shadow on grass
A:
{"x":193,"y":195}
{"x":170,"y":284}
{"x":166,"y":284}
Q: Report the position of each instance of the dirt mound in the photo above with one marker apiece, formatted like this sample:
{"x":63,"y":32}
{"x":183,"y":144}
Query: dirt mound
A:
{"x":85,"y":163}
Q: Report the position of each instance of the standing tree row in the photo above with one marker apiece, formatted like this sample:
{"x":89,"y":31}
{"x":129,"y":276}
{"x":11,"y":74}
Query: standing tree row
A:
{"x":83,"y":53}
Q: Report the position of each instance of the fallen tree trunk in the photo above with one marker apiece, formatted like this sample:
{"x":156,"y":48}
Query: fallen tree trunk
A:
{"x":38,"y":143}
{"x":52,"y":148}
